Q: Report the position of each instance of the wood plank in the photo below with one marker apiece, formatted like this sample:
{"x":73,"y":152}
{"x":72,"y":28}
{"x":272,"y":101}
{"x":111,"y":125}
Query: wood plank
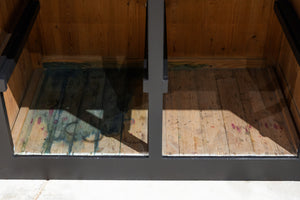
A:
{"x":292,"y":131}
{"x":54,"y":114}
{"x":34,"y":86}
{"x":273,"y":106}
{"x":273,"y":40}
{"x":239,"y":140}
{"x":111,"y":124}
{"x":17,"y":86}
{"x":60,"y":139}
{"x":170,"y":119}
{"x":212,"y":124}
{"x":135,"y":133}
{"x":40,"y":119}
{"x":190,"y":133}
{"x":87,"y":130}
{"x":255,"y":113}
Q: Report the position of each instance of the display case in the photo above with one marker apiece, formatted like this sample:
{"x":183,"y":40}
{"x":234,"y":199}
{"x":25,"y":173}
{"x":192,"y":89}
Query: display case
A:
{"x":136,"y":89}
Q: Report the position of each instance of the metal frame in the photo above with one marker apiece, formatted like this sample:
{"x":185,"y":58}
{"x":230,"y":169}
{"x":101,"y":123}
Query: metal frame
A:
{"x":155,"y":166}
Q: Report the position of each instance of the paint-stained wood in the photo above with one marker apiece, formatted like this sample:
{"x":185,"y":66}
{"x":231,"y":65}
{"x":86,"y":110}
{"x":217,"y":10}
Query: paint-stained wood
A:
{"x":278,"y":54}
{"x":134,"y":135}
{"x":212,"y":122}
{"x":239,"y":140}
{"x":275,"y":119}
{"x":191,"y":140}
{"x":33,"y":86}
{"x":170,"y":120}
{"x":254,"y":110}
{"x":90,"y":99}
{"x":242,"y":113}
{"x":79,"y":110}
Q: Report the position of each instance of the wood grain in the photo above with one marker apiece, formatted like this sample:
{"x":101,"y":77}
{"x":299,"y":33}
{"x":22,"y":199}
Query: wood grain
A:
{"x":242,"y":113}
{"x":212,"y":122}
{"x":78,"y":110}
{"x":206,"y":28}
{"x":93,"y":27}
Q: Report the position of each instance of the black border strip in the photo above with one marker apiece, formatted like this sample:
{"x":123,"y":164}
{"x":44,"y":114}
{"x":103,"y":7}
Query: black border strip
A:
{"x":16,"y":43}
{"x":165,"y":45}
{"x":290,"y":24}
{"x":146,"y":70}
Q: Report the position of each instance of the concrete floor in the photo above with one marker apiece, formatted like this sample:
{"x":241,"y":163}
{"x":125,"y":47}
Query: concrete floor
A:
{"x":36,"y":189}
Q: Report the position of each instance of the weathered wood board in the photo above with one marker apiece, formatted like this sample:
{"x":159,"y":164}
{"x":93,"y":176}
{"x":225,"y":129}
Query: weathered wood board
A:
{"x":226,"y":112}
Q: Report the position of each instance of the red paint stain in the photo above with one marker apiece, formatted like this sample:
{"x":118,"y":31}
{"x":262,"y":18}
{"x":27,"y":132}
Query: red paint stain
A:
{"x":238,"y":129}
{"x":51,"y":113}
{"x":64,"y":119}
{"x":31,"y":121}
{"x":132,"y":121}
{"x":39,"y":120}
{"x":275,"y":126}
{"x":42,"y":128}
{"x":212,"y":126}
{"x":266,"y":125}
{"x":55,"y":121}
{"x":233,"y":126}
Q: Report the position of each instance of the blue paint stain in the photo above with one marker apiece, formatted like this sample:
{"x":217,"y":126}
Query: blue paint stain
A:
{"x":115,"y":103}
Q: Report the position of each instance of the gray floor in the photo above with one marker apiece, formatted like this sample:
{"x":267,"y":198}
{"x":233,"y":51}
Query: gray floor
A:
{"x":21,"y":189}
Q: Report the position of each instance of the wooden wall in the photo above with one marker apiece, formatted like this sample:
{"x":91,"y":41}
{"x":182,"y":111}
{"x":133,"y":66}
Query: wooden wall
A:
{"x":222,"y":28}
{"x":296,"y":4}
{"x":105,"y":28}
{"x":279,"y":54}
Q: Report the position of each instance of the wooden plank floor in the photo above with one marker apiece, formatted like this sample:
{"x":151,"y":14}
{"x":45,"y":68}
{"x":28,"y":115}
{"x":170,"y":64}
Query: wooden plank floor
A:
{"x":226,"y":112}
{"x":78,"y":109}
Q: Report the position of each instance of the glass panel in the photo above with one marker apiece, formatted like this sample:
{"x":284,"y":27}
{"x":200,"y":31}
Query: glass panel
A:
{"x":85,"y":93}
{"x":222,"y":99}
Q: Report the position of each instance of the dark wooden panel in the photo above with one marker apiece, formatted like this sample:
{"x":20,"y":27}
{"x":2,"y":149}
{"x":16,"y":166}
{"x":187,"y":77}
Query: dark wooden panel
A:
{"x":93,"y":27}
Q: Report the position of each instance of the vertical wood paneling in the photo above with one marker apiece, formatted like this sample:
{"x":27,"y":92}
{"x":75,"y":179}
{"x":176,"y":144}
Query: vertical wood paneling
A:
{"x":93,"y":27}
{"x":289,"y":69}
{"x":235,"y":28}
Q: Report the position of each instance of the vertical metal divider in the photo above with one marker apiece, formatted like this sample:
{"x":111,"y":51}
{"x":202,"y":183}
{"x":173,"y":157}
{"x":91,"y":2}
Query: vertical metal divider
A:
{"x":155,"y":84}
{"x":6,"y":147}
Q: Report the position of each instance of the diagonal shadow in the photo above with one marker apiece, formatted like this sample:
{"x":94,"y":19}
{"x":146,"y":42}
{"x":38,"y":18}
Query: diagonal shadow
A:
{"x":251,"y":94}
{"x":77,"y":88}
